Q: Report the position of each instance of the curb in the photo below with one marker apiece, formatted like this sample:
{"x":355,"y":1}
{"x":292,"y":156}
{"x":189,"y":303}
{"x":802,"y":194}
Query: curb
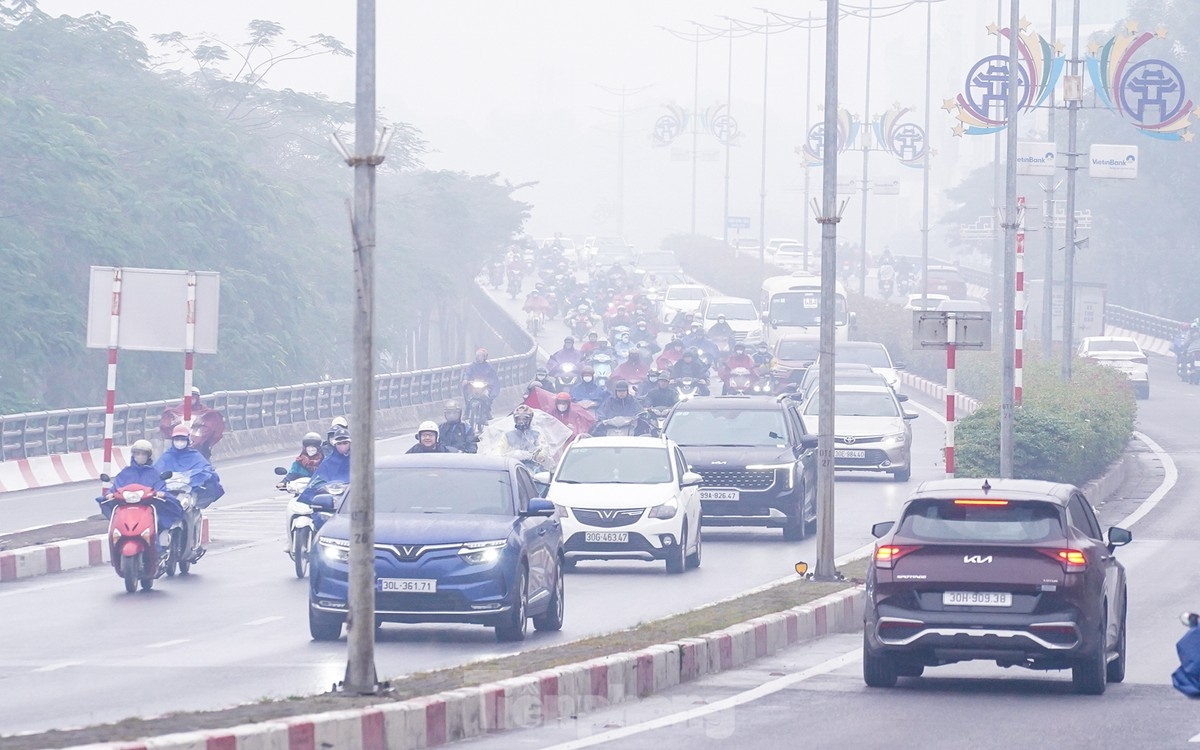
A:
{"x":58,"y":469}
{"x":531,"y":700}
{"x":963,"y":404}
{"x":70,"y":554}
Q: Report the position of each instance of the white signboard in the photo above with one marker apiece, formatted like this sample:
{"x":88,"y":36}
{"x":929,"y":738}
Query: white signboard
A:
{"x":1036,"y":158}
{"x":153,"y":310}
{"x":1113,"y":162}
{"x":1089,"y":306}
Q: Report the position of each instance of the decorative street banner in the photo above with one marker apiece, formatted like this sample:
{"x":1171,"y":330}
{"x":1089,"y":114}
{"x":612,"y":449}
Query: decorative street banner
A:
{"x":982,"y":108}
{"x":715,"y":121}
{"x":1150,"y":92}
{"x":904,"y":140}
{"x":813,"y":151}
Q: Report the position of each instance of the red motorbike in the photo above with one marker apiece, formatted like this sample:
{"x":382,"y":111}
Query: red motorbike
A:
{"x":133,"y":537}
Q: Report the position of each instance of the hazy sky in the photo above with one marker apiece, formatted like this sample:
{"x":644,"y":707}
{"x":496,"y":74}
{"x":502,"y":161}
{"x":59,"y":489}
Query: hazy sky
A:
{"x":512,"y":87}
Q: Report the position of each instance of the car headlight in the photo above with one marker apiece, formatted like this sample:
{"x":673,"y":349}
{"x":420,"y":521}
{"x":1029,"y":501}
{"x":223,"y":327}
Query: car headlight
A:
{"x":481,"y":553}
{"x":335,"y":550}
{"x":560,"y":511}
{"x":896,"y":438}
{"x":785,"y":469}
{"x":666,"y":511}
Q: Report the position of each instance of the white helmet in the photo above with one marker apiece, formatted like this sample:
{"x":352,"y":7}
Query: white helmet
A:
{"x":428,"y":426}
{"x":142,"y":446}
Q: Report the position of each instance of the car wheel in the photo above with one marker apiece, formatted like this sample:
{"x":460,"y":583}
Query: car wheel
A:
{"x":300,"y":551}
{"x":693,"y":560}
{"x":879,"y":671}
{"x":323,"y":626}
{"x":675,"y":556}
{"x":1090,"y":674}
{"x":552,"y":618}
{"x":1115,"y":671}
{"x":911,"y":669}
{"x":794,"y":528}
{"x":903,"y":475}
{"x":1143,"y":391}
{"x":519,"y":619}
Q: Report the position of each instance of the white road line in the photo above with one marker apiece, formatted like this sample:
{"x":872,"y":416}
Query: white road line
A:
{"x":1169,"y":480}
{"x":165,"y":644}
{"x":264,"y":620}
{"x":1195,"y":739}
{"x":725,"y":704}
{"x":60,"y":665}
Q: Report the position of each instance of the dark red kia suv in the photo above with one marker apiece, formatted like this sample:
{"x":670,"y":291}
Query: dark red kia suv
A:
{"x":1015,"y":571}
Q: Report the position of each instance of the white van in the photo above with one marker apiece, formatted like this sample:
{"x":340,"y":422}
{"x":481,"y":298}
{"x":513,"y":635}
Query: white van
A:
{"x":792,"y":304}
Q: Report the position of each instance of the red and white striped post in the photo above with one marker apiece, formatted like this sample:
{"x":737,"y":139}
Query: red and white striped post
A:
{"x":110,"y":398}
{"x":951,"y":332}
{"x":1019,"y":305}
{"x":189,"y":351}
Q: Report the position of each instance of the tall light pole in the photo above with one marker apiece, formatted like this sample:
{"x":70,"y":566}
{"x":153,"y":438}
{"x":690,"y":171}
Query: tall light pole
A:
{"x":994,"y":294}
{"x":1011,"y":224}
{"x":925,"y":160}
{"x":866,"y":150}
{"x":807,"y":128}
{"x":695,"y":121}
{"x":1048,"y":219}
{"x":623,"y":92}
{"x":762,"y":188}
{"x":729,"y":136}
{"x":1074,"y":98}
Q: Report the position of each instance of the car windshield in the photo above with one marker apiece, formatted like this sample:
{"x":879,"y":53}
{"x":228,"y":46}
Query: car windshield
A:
{"x":791,"y":249}
{"x":946,"y":520}
{"x":798,"y":349}
{"x":803,"y":309}
{"x":731,"y":311}
{"x":691,"y":293}
{"x":615,"y":465}
{"x":658,"y":260}
{"x":871,"y":356}
{"x":727,"y":427}
{"x":1113,"y":346}
{"x":443,"y":490}
{"x":859,"y":404}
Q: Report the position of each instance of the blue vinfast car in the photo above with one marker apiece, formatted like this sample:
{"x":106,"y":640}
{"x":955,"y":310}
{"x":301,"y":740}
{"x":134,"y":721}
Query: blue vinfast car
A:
{"x":459,"y":538}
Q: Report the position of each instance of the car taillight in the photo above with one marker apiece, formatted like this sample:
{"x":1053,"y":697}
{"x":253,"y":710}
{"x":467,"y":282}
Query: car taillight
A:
{"x":886,"y":555}
{"x":991,"y":503}
{"x":1072,"y":560}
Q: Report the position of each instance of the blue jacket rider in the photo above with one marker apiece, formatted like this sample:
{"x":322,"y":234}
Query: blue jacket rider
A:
{"x":481,"y":369}
{"x":141,"y":471}
{"x":621,"y":404}
{"x":182,"y":458}
{"x":335,"y":467}
{"x":456,"y":433}
{"x":587,"y":389}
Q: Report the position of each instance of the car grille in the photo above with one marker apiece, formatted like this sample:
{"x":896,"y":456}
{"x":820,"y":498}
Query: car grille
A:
{"x":608,"y":518}
{"x":857,"y":439}
{"x":742,"y":479}
{"x":395,"y":601}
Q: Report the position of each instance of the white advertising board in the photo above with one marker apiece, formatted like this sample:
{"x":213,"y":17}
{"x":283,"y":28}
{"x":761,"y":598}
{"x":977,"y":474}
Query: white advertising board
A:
{"x":1089,"y":310}
{"x":1113,"y":162}
{"x":153,"y":310}
{"x":1036,"y":158}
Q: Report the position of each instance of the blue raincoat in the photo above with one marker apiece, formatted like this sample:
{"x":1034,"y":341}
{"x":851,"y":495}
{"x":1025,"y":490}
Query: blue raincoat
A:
{"x":335,"y":468}
{"x":167,"y":509}
{"x":204,"y":479}
{"x":1187,"y":678}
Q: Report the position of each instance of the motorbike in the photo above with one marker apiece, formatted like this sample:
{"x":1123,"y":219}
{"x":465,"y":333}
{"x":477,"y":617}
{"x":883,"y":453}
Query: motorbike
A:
{"x":616,"y":427}
{"x":133,"y":540}
{"x":479,"y":406}
{"x":580,"y":325}
{"x":303,"y":522}
{"x":602,"y":365}
{"x":904,"y":283}
{"x":566,"y":376}
{"x":655,"y":417}
{"x":186,"y":548}
{"x":887,"y":280}
{"x":514,"y":284}
{"x":1190,"y":367}
{"x":534,"y":322}
{"x":741,"y":382}
{"x":1186,"y":678}
{"x":687,"y":388}
{"x":496,"y":275}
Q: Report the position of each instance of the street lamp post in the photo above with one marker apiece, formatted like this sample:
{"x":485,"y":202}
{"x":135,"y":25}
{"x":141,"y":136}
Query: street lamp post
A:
{"x":1048,"y":219}
{"x":925,"y":165}
{"x":866,"y":170}
{"x":728,"y":138}
{"x":1011,"y":224}
{"x":1074,"y":99}
{"x":695,"y":121}
{"x":762,"y":189}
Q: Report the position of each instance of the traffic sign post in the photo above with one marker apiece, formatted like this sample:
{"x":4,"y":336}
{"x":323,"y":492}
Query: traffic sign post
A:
{"x":951,"y":331}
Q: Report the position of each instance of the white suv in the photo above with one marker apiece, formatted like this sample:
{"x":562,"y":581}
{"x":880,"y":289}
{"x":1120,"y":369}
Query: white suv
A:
{"x":627,"y":498}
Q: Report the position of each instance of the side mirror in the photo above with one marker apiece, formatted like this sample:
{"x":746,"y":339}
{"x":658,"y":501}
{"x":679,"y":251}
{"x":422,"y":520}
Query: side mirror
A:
{"x":281,"y":471}
{"x":542,"y":477}
{"x":898,"y":365}
{"x":322,"y":502}
{"x":809,"y":442}
{"x":539,"y":507}
{"x":909,"y":415}
{"x":691,"y":479}
{"x":105,"y":478}
{"x":853,"y":321}
{"x":901,"y":397}
{"x":167,"y":474}
{"x":880,"y":529}
{"x":1118,"y":537}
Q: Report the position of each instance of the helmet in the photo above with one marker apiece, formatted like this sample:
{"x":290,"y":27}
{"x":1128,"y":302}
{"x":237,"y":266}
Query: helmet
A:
{"x":452,"y":411}
{"x":481,"y":352}
{"x":340,"y":436}
{"x":522,"y":417}
{"x":739,"y":347}
{"x":582,"y":309}
{"x":339,"y":423}
{"x":181,"y":430}
{"x":311,"y":438}
{"x":720,"y":317}
{"x":691,"y":351}
{"x":428,"y":426}
{"x":569,"y":340}
{"x":142,"y":446}
{"x":195,"y":391}
{"x":620,"y":385}
{"x":562,"y":396}
{"x":542,"y":372}
{"x":663,"y":376}
{"x":588,"y":370}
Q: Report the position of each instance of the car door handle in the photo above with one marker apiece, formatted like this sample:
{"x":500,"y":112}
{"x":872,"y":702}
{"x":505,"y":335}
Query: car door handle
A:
{"x":541,"y":532}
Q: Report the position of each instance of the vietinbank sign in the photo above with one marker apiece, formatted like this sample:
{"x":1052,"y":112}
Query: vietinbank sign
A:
{"x":1113,"y":162}
{"x":1036,"y":158}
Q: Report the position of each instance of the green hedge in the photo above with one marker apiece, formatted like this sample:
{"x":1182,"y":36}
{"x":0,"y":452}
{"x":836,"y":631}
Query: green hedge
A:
{"x":1063,"y":432}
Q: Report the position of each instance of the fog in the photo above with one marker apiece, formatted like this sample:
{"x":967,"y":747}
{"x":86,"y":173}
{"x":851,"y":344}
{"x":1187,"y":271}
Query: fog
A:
{"x":514,"y":87}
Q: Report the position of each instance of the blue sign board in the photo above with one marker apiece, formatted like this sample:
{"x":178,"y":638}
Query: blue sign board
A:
{"x":738,"y":222}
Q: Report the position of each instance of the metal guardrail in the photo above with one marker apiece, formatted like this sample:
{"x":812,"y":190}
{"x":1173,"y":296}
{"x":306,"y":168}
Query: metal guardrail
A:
{"x":44,"y":433}
{"x":1141,"y":322}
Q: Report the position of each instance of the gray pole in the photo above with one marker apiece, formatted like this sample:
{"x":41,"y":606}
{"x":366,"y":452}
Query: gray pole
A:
{"x":828,"y":221}
{"x":1048,"y":220}
{"x":925,"y":170}
{"x":695,"y":124}
{"x":866,"y":136}
{"x":1011,"y":223}
{"x":621,"y":165}
{"x":995,"y":295}
{"x":807,"y":127}
{"x":360,"y":666}
{"x":1068,"y":324}
{"x":762,"y":188}
{"x":728,"y":111}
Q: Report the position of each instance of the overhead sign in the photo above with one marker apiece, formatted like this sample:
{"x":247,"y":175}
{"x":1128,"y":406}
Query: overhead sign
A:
{"x":738,"y":222}
{"x":153,"y":310}
{"x":1036,"y":158}
{"x":1113,"y":162}
{"x":972,"y":330}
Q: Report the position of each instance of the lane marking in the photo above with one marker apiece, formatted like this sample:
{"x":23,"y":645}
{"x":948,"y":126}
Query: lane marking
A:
{"x":1170,"y":477}
{"x":724,"y":704}
{"x":264,"y":620}
{"x":54,"y":667}
{"x":165,"y":644}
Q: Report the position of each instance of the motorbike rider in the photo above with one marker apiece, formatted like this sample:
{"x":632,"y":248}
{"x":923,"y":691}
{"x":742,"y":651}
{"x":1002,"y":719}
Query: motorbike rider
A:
{"x":644,"y":338}
{"x":620,"y":404}
{"x":523,"y":442}
{"x":541,"y":379}
{"x":671,"y":354}
{"x":739,"y":358}
{"x":587,"y":390}
{"x":481,"y":369}
{"x":602,"y":347}
{"x":307,"y":462}
{"x":589,"y":346}
{"x":338,"y":423}
{"x":632,"y":370}
{"x":455,"y":433}
{"x":662,"y":395}
{"x":886,"y":258}
{"x":701,"y":343}
{"x":721,"y":330}
{"x":691,"y":366}
{"x":335,"y":467}
{"x":427,"y":440}
{"x":762,"y":355}
{"x":568,"y":354}
{"x":183,"y":458}
{"x":536,"y":302}
{"x":208,"y":423}
{"x":141,"y":471}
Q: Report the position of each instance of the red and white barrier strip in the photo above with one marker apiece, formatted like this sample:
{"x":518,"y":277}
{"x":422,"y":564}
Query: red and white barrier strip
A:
{"x":1019,"y":305}
{"x":70,"y":554}
{"x":951,"y":326}
{"x":110,"y":397}
{"x":531,"y":700}
{"x":60,"y":468}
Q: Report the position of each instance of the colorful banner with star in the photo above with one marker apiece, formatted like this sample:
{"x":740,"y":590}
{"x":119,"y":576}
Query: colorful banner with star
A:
{"x":1150,"y":93}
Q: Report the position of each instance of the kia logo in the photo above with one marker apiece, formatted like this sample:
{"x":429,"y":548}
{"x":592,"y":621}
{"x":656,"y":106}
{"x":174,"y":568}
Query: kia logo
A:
{"x":977,"y":559}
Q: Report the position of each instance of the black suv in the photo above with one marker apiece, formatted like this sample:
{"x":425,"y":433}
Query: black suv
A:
{"x":758,"y":463}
